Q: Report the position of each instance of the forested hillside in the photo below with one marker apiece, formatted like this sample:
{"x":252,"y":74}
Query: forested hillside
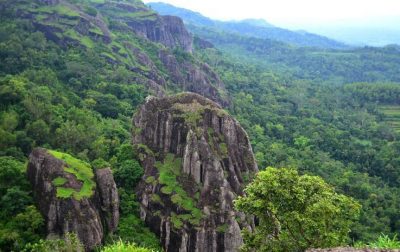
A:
{"x":250,"y":28}
{"x":74,"y":72}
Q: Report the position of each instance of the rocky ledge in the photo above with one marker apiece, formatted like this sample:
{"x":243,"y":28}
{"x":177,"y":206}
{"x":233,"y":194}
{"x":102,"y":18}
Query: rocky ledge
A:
{"x":197,"y":159}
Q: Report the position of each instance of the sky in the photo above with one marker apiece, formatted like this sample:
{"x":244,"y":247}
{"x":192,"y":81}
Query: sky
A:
{"x":298,"y":14}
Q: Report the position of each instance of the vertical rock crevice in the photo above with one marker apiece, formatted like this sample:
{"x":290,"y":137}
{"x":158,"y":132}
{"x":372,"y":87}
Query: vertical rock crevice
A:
{"x":193,"y":174}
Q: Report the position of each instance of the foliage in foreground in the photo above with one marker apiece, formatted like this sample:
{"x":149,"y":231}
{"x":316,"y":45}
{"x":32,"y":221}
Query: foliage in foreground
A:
{"x":70,"y":243}
{"x":383,"y":242}
{"x":124,"y":247}
{"x":295,"y":212}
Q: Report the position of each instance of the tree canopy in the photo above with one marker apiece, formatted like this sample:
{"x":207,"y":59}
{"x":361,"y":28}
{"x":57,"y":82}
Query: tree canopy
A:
{"x":295,"y":212}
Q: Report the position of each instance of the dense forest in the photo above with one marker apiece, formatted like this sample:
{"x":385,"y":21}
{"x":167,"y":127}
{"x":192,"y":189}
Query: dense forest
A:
{"x":325,"y":112}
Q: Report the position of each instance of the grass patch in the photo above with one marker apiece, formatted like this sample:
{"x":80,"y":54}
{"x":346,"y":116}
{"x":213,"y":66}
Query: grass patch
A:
{"x":81,"y":170}
{"x":86,"y":41}
{"x":192,"y":113}
{"x":59,"y":9}
{"x":392,"y":116}
{"x":108,"y":55}
{"x":383,"y":242}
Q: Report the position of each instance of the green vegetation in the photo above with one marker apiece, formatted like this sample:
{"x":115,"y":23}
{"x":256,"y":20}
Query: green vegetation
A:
{"x":130,"y":223}
{"x":59,"y":181}
{"x":59,"y":9}
{"x":383,"y":242}
{"x":124,"y":247}
{"x":169,"y":174}
{"x":20,"y":221}
{"x":192,"y":113}
{"x":334,"y":131}
{"x":329,"y":113}
{"x":83,"y":173}
{"x":391,"y":116}
{"x":295,"y":212}
{"x":69,"y":243}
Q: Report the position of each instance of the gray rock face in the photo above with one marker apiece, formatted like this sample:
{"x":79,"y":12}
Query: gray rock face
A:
{"x":200,"y":79}
{"x":108,"y":195}
{"x":90,"y":218}
{"x":167,"y":30}
{"x":197,"y":159}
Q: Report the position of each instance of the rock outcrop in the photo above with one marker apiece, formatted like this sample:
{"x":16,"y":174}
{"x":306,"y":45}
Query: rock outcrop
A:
{"x":69,"y":203}
{"x":200,"y":78}
{"x":197,"y":159}
{"x":160,"y":66}
{"x":167,"y":30}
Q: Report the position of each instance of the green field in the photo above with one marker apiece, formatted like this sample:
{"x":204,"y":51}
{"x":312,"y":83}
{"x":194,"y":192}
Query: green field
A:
{"x":392,"y":115}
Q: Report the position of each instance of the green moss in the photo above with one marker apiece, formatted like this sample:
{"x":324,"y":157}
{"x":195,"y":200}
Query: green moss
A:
{"x":150,"y":179}
{"x":81,"y":170}
{"x":224,"y":149}
{"x":166,"y":190}
{"x":176,"y":199}
{"x":59,"y":181}
{"x":156,"y":198}
{"x":222,"y":228}
{"x":169,"y":171}
{"x":192,"y":113}
{"x":176,"y":221}
{"x":65,"y":193}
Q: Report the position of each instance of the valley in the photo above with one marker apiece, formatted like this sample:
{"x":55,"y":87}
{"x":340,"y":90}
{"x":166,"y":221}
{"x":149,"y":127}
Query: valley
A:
{"x":127,"y":127}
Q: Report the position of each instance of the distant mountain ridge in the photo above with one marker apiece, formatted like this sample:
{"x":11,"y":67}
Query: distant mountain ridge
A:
{"x":257,"y":28}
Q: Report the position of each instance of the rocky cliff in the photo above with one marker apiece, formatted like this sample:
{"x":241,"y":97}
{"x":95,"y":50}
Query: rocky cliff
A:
{"x":197,"y":159}
{"x":73,"y":199}
{"x":167,"y":30}
{"x":155,"y":49}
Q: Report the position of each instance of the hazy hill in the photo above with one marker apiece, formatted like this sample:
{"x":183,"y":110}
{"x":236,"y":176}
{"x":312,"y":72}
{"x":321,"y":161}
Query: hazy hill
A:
{"x":249,"y":27}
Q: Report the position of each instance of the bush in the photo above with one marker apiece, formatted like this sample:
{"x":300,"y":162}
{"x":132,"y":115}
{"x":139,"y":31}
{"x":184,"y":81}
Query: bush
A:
{"x":383,"y":242}
{"x":70,"y":243}
{"x":124,"y":247}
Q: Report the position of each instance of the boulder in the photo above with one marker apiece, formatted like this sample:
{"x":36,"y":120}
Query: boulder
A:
{"x":73,"y":199}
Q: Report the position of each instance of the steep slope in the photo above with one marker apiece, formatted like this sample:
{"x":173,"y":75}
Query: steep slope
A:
{"x":72,"y":198}
{"x":197,"y":159}
{"x":125,"y":34}
{"x":249,"y":27}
